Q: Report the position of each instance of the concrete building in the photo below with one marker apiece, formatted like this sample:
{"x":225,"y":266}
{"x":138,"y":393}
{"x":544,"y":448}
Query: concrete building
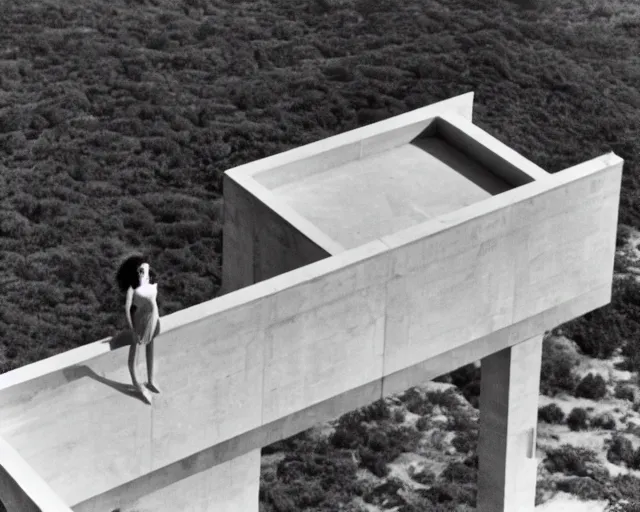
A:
{"x":353,"y":268}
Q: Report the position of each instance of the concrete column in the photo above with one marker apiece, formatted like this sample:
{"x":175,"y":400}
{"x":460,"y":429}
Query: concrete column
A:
{"x":510,"y":385}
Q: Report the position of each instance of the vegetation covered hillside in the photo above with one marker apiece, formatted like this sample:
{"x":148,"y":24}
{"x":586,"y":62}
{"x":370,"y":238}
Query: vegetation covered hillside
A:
{"x":117,"y":120}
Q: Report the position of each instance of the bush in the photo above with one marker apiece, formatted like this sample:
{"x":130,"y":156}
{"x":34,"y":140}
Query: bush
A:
{"x":620,"y":450}
{"x":464,"y":442}
{"x":399,"y":416}
{"x":422,"y":424}
{"x":377,"y":411}
{"x":592,"y":386}
{"x":570,"y":460}
{"x":426,"y":477}
{"x":577,"y":419}
{"x":602,"y":331}
{"x":415,"y":402}
{"x":605,"y":421}
{"x":624,"y":392}
{"x":461,"y":421}
{"x":445,"y":399}
{"x":585,"y":488}
{"x":373,"y":461}
{"x":452,"y":493}
{"x":557,"y":370}
{"x":460,"y":473}
{"x":551,"y":414}
{"x":634,"y":463}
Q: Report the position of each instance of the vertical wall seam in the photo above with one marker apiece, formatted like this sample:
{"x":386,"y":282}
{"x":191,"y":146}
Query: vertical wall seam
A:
{"x":386,"y":323}
{"x":151,"y":439}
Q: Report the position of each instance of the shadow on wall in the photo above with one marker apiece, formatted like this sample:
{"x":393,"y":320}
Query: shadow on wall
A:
{"x":78,"y":371}
{"x":122,"y":339}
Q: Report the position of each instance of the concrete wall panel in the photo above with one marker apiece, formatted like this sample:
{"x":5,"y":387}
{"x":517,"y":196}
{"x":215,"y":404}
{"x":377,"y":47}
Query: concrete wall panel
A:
{"x":484,"y":273}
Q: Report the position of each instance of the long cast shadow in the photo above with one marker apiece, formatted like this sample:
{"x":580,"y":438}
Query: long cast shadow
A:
{"x":77,"y":371}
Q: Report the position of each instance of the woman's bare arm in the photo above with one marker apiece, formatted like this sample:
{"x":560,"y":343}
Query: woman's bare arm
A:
{"x":127,"y":307}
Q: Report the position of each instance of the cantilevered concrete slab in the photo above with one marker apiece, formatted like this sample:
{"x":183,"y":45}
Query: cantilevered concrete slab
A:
{"x":334,"y":321}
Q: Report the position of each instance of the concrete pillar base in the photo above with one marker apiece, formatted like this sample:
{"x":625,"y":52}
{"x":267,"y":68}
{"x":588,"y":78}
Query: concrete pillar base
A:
{"x":509,"y":389}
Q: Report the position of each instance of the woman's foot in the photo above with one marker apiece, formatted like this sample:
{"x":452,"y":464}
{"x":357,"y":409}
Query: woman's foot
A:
{"x":153,"y":387}
{"x":146,"y":396}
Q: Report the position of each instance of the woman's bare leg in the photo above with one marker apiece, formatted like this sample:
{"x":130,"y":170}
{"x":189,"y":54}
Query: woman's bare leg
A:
{"x":150,"y":384}
{"x":133,"y":359}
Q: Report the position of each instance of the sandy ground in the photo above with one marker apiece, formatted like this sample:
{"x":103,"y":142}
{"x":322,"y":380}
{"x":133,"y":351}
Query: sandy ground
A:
{"x":564,"y":502}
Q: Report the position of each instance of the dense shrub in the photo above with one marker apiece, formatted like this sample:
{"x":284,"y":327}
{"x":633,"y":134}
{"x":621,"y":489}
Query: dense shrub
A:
{"x":551,"y":414}
{"x":605,"y":421}
{"x":624,"y":392}
{"x":467,"y":380}
{"x":577,"y":419}
{"x":557,"y":370}
{"x":377,"y":411}
{"x":461,"y":421}
{"x":422,"y":423}
{"x":373,"y":461}
{"x":592,"y":386}
{"x":459,"y":472}
{"x":399,"y":416}
{"x":620,"y":450}
{"x":634,"y":463}
{"x":570,"y":460}
{"x":627,"y":487}
{"x":602,"y":331}
{"x":386,"y":494}
{"x":426,"y":477}
{"x":415,"y":402}
{"x":452,"y":493}
{"x":585,"y":488}
{"x":447,"y":399}
{"x":465,"y":441}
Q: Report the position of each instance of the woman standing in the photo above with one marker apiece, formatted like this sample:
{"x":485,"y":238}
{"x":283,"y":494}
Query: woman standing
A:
{"x":136,"y":278}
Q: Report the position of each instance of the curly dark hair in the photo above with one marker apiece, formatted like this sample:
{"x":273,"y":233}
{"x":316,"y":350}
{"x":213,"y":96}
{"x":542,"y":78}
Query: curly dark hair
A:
{"x":127,"y":275}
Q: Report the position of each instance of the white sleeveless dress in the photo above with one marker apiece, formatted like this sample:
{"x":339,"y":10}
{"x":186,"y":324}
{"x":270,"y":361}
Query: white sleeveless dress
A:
{"x":145,"y":317}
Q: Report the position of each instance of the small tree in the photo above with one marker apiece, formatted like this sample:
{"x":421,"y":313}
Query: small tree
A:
{"x":577,"y":419}
{"x":551,"y":414}
{"x":592,"y":386}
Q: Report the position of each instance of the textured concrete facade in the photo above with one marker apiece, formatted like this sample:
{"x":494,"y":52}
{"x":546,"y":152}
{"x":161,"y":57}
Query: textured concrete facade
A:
{"x":331,"y":324}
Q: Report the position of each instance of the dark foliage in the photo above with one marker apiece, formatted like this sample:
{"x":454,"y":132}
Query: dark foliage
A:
{"x":600,"y":332}
{"x":620,"y":450}
{"x":604,"y":421}
{"x":466,"y":441}
{"x":557,"y":369}
{"x":624,"y":392}
{"x":577,"y":419}
{"x":585,"y":487}
{"x":592,"y":386}
{"x":551,"y":414}
{"x":570,"y":460}
{"x":467,"y":380}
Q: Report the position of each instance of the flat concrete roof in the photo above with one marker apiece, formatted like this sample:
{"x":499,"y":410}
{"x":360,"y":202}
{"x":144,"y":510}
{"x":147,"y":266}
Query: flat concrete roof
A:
{"x":368,"y":198}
